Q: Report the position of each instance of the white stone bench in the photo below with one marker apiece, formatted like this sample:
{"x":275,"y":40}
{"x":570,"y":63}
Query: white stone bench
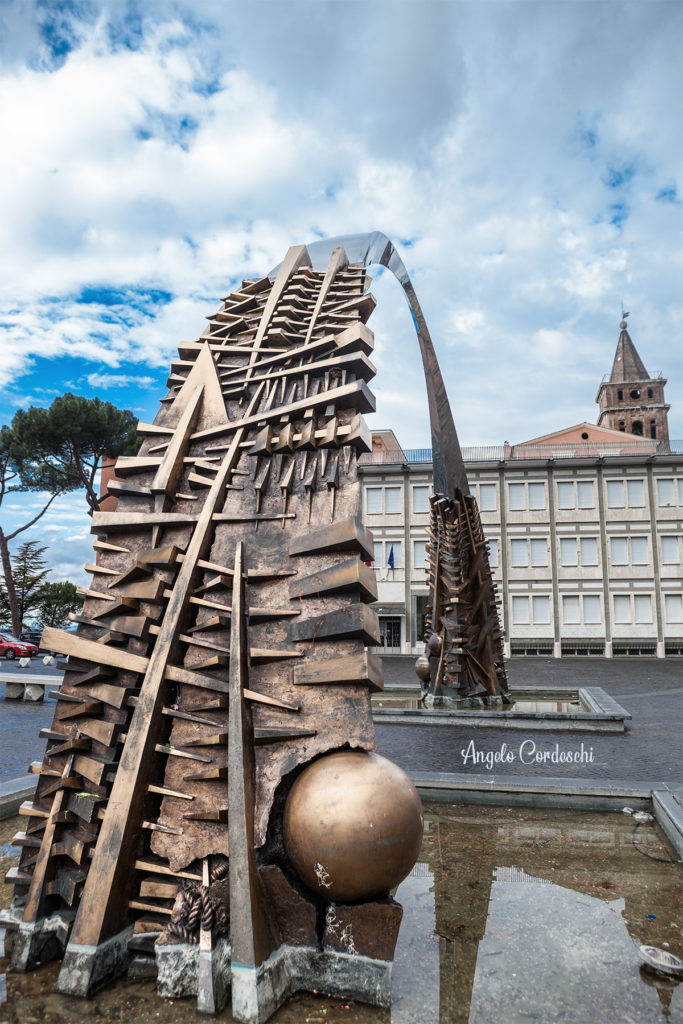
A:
{"x":20,"y":685}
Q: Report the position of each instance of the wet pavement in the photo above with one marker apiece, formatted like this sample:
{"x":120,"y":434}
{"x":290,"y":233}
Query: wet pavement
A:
{"x":511,"y":915}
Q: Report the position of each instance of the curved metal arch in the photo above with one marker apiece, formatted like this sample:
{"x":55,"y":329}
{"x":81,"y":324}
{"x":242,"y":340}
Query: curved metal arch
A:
{"x":375,"y":249}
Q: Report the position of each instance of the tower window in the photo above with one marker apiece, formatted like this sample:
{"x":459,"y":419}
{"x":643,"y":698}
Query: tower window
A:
{"x":622,"y":426}
{"x":650,"y":393}
{"x":637,"y":428}
{"x":635,"y":393}
{"x":653,"y":428}
{"x":620,"y":395}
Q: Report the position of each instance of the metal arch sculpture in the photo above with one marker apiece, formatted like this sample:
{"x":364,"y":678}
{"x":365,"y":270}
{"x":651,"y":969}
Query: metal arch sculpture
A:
{"x":375,"y":249}
{"x":215,"y":706}
{"x":464,"y":655}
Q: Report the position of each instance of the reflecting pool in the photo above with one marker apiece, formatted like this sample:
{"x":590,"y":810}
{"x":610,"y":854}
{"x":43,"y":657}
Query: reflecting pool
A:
{"x":511,"y":916}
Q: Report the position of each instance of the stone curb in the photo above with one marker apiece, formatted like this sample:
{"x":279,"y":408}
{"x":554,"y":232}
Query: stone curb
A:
{"x":541,"y":791}
{"x":13,"y":792}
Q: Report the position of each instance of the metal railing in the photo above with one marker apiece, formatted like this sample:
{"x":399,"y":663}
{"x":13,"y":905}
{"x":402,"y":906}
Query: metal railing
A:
{"x":499,"y":452}
{"x":651,"y":375}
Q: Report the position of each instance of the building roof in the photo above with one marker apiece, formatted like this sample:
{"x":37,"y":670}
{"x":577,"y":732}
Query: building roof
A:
{"x":627,"y":365}
{"x":584,"y":432}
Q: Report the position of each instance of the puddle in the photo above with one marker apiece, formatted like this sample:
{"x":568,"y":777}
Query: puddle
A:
{"x":511,"y":915}
{"x":413,"y":702}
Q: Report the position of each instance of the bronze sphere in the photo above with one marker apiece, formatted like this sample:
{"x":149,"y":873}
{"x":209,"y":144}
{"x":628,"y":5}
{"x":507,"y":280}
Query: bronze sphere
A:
{"x":353,"y":826}
{"x":434,"y":644}
{"x":422,"y":668}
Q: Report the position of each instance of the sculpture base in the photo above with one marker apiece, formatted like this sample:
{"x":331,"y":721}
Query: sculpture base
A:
{"x":38,"y":942}
{"x":185,"y":970}
{"x":257,"y":992}
{"x":87,"y":968}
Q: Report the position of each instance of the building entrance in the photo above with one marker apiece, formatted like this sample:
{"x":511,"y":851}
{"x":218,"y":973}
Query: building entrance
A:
{"x":390,"y":632}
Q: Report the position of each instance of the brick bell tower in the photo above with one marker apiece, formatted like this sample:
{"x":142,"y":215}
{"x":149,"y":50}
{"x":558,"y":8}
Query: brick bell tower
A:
{"x":631,"y":400}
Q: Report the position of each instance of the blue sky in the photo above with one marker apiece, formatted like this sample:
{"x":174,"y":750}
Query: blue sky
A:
{"x":525,"y":157}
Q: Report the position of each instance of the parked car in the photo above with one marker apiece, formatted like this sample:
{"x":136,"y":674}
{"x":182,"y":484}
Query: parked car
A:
{"x":32,"y":636}
{"x":11,"y":648}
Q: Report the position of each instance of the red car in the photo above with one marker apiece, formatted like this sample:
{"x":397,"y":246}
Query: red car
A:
{"x":12,"y":648}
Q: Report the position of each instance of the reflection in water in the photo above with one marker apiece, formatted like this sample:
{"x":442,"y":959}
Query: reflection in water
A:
{"x":413,"y":702}
{"x":510,"y":916}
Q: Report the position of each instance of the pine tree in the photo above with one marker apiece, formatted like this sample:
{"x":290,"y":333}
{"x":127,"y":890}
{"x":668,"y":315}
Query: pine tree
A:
{"x":29,"y":570}
{"x":54,"y":602}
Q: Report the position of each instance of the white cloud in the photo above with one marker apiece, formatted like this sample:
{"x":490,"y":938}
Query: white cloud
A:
{"x":514,"y":151}
{"x":117,"y":380}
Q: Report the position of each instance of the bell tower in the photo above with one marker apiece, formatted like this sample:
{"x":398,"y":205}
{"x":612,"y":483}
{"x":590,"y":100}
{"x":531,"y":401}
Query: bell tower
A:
{"x":631,"y":400}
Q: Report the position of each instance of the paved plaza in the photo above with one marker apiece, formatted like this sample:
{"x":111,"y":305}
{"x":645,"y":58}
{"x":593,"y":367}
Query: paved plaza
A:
{"x":651,"y":750}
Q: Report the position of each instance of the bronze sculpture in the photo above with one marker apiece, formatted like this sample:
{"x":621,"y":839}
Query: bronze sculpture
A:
{"x":220,"y":675}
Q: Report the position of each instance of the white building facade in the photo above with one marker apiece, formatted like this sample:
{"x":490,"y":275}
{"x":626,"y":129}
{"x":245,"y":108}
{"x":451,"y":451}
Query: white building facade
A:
{"x":585,"y":532}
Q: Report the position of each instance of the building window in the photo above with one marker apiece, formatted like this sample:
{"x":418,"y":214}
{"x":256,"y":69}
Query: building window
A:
{"x":571,"y":614}
{"x":381,"y":553}
{"x":634,"y":495}
{"x":520,"y":611}
{"x":519,"y":556}
{"x":526,"y":496}
{"x":393,"y":551}
{"x":421,"y":604}
{"x":523,"y":552}
{"x":629,"y":551}
{"x":578,"y":551}
{"x":591,"y":609}
{"x":539,"y":552}
{"x":382,"y":500}
{"x":582,"y":608}
{"x":569,"y":551}
{"x":670,"y":492}
{"x":493,"y":553}
{"x":588,"y":547}
{"x":420,"y":500}
{"x":565,"y":495}
{"x":673,"y":607}
{"x":517,"y":497}
{"x":581,"y":497}
{"x":670,"y":551}
{"x":373,"y":500}
{"x":419,"y":554}
{"x":620,"y":395}
{"x":637,"y":428}
{"x":628,"y":610}
{"x":586,"y":493}
{"x":392,"y":500}
{"x":487,"y":497}
{"x":539,"y":607}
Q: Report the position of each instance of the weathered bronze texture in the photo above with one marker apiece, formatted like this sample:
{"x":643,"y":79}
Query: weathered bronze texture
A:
{"x":353,"y":826}
{"x":219,"y":658}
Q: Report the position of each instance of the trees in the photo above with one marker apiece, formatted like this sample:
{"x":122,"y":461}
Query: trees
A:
{"x":74,"y":434}
{"x":50,"y":451}
{"x":47,"y":603}
{"x":29,"y":570}
{"x":54,"y":602}
{"x":21,"y":471}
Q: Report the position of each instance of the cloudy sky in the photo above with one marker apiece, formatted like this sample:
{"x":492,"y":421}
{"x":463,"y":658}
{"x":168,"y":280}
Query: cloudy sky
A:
{"x":525,"y":157}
